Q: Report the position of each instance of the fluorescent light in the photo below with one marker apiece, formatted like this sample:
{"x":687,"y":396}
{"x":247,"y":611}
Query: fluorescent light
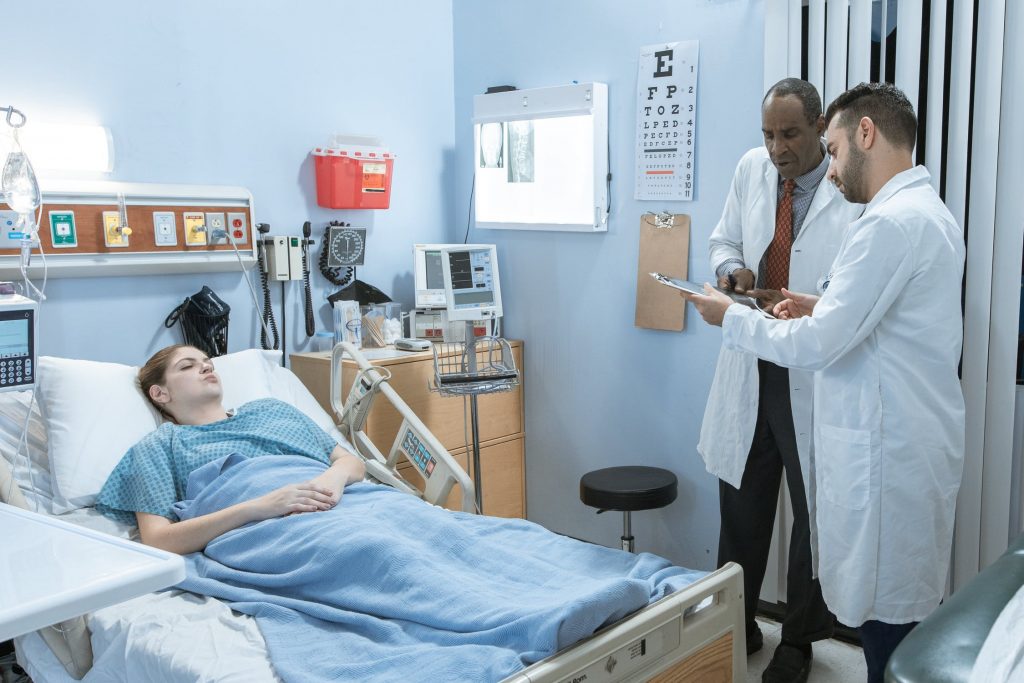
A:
{"x":64,"y":146}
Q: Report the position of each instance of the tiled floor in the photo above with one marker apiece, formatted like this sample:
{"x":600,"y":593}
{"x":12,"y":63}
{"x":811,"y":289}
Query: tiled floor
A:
{"x":834,"y":660}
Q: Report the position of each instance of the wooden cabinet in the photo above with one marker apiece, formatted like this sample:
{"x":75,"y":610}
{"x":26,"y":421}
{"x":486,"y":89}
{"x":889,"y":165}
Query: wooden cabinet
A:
{"x":502,"y":454}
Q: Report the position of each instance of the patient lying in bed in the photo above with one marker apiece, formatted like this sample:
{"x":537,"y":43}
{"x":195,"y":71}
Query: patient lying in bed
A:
{"x":349,"y":579}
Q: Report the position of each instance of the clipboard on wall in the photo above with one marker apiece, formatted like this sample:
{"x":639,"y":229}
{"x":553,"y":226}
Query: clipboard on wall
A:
{"x":664,"y":248}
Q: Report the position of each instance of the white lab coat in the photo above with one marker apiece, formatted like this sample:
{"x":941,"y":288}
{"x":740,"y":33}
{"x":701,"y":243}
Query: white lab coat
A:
{"x":884,"y":343}
{"x":745,"y":230}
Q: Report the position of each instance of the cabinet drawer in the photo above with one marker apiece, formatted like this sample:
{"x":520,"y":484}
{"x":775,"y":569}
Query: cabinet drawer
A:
{"x":502,"y":472}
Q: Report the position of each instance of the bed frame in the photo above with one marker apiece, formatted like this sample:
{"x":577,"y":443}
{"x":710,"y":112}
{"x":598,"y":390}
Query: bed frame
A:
{"x":691,"y":635}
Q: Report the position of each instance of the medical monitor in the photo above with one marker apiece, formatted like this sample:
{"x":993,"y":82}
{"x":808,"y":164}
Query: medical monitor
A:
{"x":428,"y":275}
{"x":17,"y":342}
{"x":471,"y":286}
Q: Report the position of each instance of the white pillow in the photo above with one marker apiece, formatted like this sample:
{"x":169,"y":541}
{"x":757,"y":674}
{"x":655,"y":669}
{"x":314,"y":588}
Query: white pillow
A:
{"x":290,"y":388}
{"x":245,"y":375}
{"x":94,"y":413}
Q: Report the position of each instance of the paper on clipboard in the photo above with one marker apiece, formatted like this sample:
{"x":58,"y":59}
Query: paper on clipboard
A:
{"x":696,"y":288}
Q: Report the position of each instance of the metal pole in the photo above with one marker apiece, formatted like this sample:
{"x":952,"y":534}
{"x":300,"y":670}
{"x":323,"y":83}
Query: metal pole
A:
{"x":477,"y":483}
{"x":627,"y":532}
{"x":474,"y":419}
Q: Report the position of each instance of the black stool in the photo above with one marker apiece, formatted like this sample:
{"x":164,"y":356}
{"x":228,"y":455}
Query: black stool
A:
{"x":628,"y":488}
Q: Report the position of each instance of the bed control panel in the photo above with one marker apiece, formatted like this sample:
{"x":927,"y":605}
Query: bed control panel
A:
{"x":418,"y":454}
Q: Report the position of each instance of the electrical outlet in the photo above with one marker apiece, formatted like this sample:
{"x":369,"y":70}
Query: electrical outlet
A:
{"x":63,"y":234}
{"x":195,"y":229}
{"x":238,"y":226}
{"x":113,"y":235}
{"x":165,"y":232}
{"x":10,"y":235}
{"x":215,"y":222}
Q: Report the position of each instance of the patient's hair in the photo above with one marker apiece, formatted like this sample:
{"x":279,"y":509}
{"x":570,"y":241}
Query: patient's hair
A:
{"x":155,"y":372}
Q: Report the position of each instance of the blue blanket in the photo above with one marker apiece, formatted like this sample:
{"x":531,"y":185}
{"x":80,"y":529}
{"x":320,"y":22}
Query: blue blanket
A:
{"x":387,"y":588}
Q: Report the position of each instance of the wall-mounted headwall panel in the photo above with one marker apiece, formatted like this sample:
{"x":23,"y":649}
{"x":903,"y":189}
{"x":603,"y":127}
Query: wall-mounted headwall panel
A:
{"x":172,"y":230}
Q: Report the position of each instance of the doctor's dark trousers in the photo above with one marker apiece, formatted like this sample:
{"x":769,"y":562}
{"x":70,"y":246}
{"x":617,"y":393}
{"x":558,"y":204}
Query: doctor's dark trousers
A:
{"x":748,"y":515}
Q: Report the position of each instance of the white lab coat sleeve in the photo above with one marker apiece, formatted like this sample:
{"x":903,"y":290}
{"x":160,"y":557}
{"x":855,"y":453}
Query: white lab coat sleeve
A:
{"x":872,"y":268}
{"x":726,"y":241}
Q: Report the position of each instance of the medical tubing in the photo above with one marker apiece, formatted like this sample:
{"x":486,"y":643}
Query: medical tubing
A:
{"x":284,"y":324}
{"x":252,"y":290}
{"x":469,"y":211}
{"x":307,"y":290}
{"x":268,"y":313}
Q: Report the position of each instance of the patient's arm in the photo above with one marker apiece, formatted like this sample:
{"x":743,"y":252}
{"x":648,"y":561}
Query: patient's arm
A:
{"x":192,"y":535}
{"x":345,"y":469}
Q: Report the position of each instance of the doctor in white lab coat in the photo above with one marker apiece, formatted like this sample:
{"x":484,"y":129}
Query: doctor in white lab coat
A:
{"x":757,"y":423}
{"x":884,"y":342}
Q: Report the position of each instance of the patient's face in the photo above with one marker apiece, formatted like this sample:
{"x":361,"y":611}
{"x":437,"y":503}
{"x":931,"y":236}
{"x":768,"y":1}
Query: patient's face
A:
{"x":190,"y":379}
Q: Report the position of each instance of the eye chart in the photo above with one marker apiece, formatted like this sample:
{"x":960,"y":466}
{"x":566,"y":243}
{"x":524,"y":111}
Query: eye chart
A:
{"x":666,"y":94}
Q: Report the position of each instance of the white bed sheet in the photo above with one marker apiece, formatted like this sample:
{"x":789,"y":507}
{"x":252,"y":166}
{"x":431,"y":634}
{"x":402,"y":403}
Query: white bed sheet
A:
{"x":166,"y":637}
{"x":170,"y":636}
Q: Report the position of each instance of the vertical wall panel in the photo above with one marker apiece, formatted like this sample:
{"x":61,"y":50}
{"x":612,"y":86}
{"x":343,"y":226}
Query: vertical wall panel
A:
{"x":908,"y":50}
{"x":858,"y":69}
{"x":835,"y":48}
{"x":936,"y":124}
{"x":974,"y":374}
{"x":776,"y":50}
{"x":816,"y":47}
{"x":796,"y":21}
{"x":1003,"y":290}
{"x":1010,"y":206}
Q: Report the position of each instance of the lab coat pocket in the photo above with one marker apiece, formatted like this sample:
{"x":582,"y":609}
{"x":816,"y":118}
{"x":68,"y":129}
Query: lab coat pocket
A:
{"x":843,"y":460}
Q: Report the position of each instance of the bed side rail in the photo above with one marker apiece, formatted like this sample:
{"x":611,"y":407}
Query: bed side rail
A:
{"x":670,"y":636}
{"x":414,"y":442}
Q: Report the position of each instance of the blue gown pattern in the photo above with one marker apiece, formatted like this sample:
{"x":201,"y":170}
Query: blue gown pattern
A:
{"x":152,"y":475}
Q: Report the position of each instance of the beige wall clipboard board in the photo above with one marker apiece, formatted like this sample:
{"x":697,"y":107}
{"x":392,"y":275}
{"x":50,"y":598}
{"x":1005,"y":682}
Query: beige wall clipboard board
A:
{"x":663,"y":250}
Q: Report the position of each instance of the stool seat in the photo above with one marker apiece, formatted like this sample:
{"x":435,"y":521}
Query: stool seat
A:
{"x":629,"y":487}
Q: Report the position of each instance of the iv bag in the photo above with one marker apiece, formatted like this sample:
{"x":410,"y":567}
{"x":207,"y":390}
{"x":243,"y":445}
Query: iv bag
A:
{"x":21,"y":191}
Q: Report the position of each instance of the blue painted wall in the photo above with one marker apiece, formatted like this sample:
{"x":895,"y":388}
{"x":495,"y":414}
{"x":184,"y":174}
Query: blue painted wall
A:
{"x":599,"y":391}
{"x":237,"y":92}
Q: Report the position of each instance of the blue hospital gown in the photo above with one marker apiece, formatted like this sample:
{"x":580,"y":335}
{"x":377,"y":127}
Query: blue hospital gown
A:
{"x":152,"y":475}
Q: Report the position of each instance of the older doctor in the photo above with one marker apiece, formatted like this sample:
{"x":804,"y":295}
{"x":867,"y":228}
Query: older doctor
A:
{"x":781,"y":226}
{"x":884,"y":340}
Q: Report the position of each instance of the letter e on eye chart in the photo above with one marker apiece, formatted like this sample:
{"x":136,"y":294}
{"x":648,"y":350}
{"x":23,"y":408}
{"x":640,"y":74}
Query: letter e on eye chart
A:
{"x":666,"y":97}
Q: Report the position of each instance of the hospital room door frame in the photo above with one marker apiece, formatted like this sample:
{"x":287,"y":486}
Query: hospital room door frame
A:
{"x":955,"y":60}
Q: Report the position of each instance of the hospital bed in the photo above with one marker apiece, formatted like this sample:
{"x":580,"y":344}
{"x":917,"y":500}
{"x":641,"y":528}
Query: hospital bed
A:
{"x":692,"y":634}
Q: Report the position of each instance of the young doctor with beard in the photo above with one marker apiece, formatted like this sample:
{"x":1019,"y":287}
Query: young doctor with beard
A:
{"x":884,"y":341}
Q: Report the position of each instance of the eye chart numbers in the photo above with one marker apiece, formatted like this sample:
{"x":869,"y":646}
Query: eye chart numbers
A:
{"x":666,"y":144}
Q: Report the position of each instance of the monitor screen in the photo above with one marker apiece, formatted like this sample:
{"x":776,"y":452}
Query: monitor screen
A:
{"x":14,"y":338}
{"x":471,"y":282}
{"x":428,"y":273}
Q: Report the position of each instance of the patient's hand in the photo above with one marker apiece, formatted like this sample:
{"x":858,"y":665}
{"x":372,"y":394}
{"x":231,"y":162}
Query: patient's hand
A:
{"x":332,"y":481}
{"x":309,"y":496}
